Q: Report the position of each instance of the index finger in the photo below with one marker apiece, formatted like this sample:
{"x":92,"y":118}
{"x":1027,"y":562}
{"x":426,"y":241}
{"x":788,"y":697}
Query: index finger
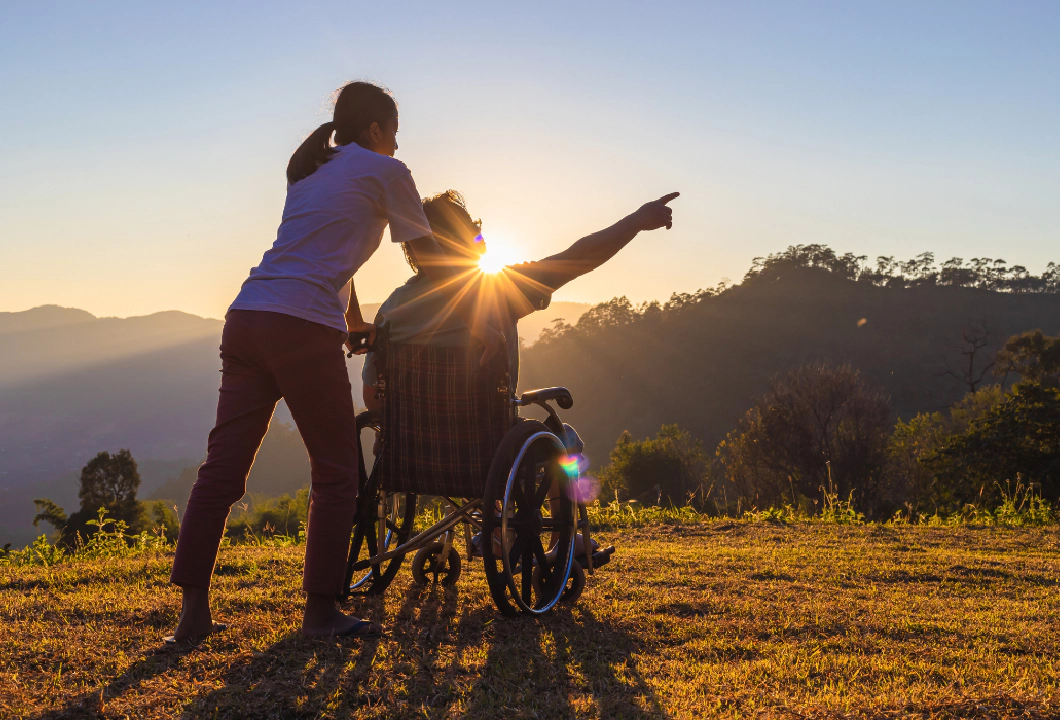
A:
{"x":668,"y":197}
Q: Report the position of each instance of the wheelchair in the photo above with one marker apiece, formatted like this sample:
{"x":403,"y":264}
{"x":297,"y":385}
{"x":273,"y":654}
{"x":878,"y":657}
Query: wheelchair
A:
{"x":450,"y":429}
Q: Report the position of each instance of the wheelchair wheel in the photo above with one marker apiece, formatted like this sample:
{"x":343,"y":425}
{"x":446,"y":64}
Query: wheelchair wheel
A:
{"x":575,"y":584}
{"x":517,"y":511}
{"x":369,"y":538}
{"x":428,"y":565}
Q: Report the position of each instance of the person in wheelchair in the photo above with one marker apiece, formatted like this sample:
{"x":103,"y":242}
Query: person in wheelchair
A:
{"x":417,"y":313}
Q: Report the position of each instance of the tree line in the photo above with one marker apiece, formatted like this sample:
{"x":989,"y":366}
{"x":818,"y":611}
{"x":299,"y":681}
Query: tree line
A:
{"x":823,"y":431}
{"x":980,"y":273}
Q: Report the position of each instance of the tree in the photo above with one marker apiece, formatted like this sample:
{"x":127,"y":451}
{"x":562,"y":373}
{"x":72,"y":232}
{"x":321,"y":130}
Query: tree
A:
{"x":1033,"y":356}
{"x":50,"y":513}
{"x":915,"y":484}
{"x":668,"y":469}
{"x":976,"y":362}
{"x":1018,"y":437}
{"x":817,"y":427}
{"x":109,"y":481}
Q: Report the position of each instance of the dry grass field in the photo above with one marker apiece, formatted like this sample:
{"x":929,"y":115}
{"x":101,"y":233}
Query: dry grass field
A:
{"x":718,"y":619}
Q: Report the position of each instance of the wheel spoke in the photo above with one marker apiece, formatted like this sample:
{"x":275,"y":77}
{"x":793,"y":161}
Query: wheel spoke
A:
{"x":542,"y":491}
{"x":539,"y":552}
{"x":551,"y":523}
{"x":517,"y":547}
{"x":528,"y":572}
{"x":528,"y":492}
{"x":516,"y":496}
{"x":373,"y":548}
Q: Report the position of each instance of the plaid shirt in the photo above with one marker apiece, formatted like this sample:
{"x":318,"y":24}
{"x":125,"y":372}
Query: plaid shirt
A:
{"x":443,"y":418}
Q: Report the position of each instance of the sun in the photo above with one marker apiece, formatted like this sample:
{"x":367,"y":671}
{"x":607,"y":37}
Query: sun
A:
{"x":497,"y":257}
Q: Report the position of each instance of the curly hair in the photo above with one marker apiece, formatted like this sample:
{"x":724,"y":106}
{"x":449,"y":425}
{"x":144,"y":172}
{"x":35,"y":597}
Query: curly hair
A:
{"x":454,"y":230}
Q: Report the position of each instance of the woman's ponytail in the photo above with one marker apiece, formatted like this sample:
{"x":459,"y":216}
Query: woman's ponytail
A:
{"x":314,"y":151}
{"x":357,"y":106}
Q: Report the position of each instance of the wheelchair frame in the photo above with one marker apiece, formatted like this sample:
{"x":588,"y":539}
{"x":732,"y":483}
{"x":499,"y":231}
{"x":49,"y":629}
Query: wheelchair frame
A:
{"x":529,"y":459}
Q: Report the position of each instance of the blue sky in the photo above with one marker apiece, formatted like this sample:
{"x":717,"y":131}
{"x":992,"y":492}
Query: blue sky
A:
{"x":144,"y":145}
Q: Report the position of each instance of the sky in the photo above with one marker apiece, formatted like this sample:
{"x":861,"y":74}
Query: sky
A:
{"x":143,"y":145}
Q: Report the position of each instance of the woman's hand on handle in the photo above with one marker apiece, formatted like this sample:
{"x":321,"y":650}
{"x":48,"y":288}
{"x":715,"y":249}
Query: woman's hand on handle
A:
{"x":360,"y":327}
{"x":654,"y":215}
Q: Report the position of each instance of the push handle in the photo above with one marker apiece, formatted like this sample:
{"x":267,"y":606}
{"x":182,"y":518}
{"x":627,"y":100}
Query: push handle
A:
{"x":359,"y":341}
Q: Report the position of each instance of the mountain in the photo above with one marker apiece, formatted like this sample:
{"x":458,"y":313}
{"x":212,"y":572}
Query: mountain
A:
{"x":72,"y":384}
{"x":703,"y":366}
{"x":86,"y":384}
{"x":40,"y":318}
{"x":281,"y":466}
{"x":48,"y":341}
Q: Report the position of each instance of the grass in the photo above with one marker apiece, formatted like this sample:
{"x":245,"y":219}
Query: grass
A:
{"x":707,"y":619}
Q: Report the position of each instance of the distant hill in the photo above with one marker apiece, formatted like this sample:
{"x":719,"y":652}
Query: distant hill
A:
{"x":702,"y":367}
{"x":72,"y":384}
{"x":85,"y":384}
{"x":50,"y":340}
{"x":281,"y":466}
{"x":43,"y":317}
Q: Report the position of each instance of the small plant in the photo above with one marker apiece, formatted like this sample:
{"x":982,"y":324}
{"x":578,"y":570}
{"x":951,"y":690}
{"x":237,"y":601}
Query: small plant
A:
{"x":109,"y":541}
{"x":778,"y":516}
{"x":840,"y":512}
{"x":271,"y":538}
{"x":632,"y":514}
{"x":1023,"y":507}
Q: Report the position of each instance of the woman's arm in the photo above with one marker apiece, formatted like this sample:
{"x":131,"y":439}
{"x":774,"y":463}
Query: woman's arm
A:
{"x":355,"y":321}
{"x":594,"y":250}
{"x":370,"y":375}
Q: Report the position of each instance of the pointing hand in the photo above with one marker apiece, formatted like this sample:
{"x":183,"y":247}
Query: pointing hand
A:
{"x":656,"y":214}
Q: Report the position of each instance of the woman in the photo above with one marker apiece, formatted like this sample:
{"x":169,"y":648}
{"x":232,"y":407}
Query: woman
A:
{"x":283,"y":338}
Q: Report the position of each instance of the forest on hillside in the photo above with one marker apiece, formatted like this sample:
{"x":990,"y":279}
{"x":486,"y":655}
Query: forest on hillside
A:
{"x":701,"y":359}
{"x":920,"y":333}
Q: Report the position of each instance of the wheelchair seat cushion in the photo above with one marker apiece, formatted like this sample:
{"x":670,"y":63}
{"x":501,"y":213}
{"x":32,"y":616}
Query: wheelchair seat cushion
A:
{"x":444,"y":416}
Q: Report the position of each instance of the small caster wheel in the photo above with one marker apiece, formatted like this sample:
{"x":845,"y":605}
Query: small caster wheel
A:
{"x":428,"y":567}
{"x":575,"y":583}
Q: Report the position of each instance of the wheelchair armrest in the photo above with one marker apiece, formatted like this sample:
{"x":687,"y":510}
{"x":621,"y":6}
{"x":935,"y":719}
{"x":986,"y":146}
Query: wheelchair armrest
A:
{"x":561,"y":395}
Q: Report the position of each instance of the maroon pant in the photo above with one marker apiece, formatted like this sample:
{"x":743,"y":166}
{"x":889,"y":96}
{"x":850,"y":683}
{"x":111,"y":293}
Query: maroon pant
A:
{"x":266,"y":356}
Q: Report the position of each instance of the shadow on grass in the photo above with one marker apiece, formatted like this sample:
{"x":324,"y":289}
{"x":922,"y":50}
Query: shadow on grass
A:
{"x":439,"y":659}
{"x":569,"y":663}
{"x":90,"y":704}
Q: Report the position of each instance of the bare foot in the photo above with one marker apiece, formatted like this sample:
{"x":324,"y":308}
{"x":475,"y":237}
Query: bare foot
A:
{"x":196,"y":621}
{"x":322,"y":618}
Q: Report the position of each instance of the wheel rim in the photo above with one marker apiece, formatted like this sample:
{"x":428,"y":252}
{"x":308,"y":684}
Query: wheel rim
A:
{"x":522,"y":522}
{"x":374,"y":426}
{"x":395,"y":509}
{"x":366,"y":541}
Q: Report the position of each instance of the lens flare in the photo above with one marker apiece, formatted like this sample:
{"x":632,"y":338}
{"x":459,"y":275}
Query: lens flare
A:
{"x":585,"y":489}
{"x":571,"y":465}
{"x":498,"y":255}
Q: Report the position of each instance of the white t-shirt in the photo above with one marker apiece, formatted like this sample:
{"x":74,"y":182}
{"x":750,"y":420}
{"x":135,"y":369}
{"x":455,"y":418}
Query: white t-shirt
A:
{"x":333,"y":221}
